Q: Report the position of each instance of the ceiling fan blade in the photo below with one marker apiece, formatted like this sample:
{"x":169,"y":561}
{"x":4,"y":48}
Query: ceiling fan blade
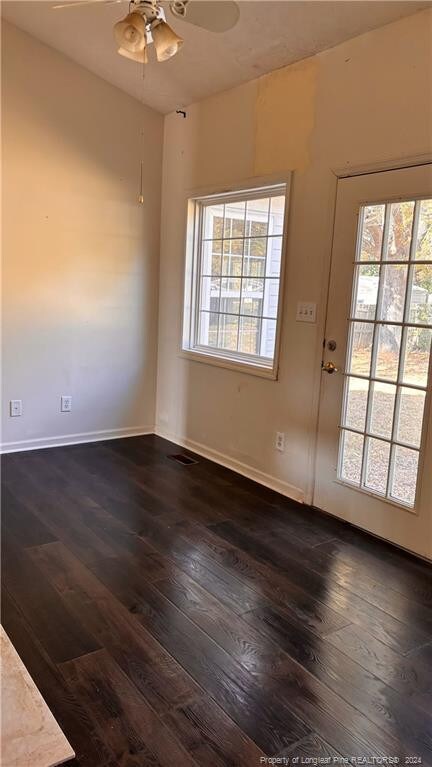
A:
{"x":86,"y":2}
{"x":216,"y":15}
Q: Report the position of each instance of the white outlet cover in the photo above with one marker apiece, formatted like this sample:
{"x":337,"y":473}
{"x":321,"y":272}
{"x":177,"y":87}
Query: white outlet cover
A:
{"x":306,"y":311}
{"x":66,"y":403}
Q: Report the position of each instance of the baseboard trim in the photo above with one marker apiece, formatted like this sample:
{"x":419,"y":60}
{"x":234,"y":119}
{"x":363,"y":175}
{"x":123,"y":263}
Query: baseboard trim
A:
{"x":74,"y":439}
{"x":268,"y":480}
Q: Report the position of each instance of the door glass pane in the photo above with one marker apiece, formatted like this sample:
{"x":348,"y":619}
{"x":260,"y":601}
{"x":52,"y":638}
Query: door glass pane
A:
{"x":382,"y":407}
{"x":410,"y":417}
{"x":361,"y":348}
{"x":371,"y":235}
{"x":388,"y":349}
{"x":352,"y":456}
{"x":356,"y":403}
{"x":393,"y":292}
{"x":420,"y":295}
{"x":400,"y":230}
{"x":404,"y":481}
{"x":416,"y":357}
{"x":388,"y":352}
{"x":365,"y":300}
{"x":377,"y":465}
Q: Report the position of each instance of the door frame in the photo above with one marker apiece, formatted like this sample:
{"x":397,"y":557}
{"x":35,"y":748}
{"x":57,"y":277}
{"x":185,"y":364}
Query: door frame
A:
{"x":336,"y":175}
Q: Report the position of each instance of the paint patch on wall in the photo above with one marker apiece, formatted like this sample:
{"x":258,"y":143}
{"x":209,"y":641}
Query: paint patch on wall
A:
{"x":284,"y":118}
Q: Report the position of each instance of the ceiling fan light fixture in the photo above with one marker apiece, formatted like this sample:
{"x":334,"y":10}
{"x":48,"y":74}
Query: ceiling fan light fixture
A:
{"x":130,"y":33}
{"x":166,"y":42}
{"x":140,"y":56}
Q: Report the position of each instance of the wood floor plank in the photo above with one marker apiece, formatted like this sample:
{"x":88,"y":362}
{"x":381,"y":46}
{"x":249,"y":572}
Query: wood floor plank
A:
{"x":63,"y":636}
{"x":272,"y":726}
{"x":408,"y":675}
{"x":67,"y":708}
{"x":176,"y":615}
{"x":131,"y":730}
{"x":379,"y":595}
{"x":395,"y":713}
{"x":21,"y":522}
{"x":211,"y":737}
{"x":161,"y":681}
{"x":319,"y":617}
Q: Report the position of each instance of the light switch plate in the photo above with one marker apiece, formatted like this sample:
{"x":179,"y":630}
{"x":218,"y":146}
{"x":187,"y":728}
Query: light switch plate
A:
{"x":306,"y":311}
{"x":15,"y":408}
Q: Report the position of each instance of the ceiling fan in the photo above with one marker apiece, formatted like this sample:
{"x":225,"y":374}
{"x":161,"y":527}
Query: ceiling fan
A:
{"x":146,"y":23}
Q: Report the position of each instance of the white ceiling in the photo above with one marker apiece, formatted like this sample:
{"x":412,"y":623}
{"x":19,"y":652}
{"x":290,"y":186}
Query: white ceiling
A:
{"x":268,"y":35}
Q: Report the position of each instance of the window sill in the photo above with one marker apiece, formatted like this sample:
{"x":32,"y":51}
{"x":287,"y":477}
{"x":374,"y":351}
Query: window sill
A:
{"x":247,"y":368}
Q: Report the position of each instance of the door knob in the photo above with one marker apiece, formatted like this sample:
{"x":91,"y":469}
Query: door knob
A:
{"x":329,"y":367}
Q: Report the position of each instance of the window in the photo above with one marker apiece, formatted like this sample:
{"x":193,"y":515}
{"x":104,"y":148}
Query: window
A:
{"x":389,"y":347}
{"x":233,"y":277}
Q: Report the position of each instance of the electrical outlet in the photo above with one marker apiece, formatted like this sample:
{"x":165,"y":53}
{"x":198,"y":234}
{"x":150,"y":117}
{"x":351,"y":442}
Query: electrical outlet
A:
{"x":306,"y":311}
{"x":15,"y":407}
{"x":280,"y":441}
{"x":66,"y":403}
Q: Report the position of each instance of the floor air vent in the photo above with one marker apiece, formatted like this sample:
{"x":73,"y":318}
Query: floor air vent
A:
{"x":185,"y":460}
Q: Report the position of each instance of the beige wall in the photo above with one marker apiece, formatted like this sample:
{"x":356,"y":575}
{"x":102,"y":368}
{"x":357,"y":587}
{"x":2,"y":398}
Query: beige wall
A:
{"x":80,"y":269}
{"x":362,"y":103}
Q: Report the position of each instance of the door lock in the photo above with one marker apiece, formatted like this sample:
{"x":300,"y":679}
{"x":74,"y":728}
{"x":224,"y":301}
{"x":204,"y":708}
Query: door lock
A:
{"x":329,"y":367}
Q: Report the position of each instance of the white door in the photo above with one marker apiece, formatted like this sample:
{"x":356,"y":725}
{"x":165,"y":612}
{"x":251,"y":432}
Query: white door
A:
{"x":374,"y":452}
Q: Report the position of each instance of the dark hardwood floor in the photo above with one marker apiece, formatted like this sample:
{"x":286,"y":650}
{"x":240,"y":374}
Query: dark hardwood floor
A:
{"x":177,"y":615}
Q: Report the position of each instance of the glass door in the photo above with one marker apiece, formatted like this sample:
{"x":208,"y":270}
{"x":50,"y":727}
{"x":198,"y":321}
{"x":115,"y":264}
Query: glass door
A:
{"x":374,"y":451}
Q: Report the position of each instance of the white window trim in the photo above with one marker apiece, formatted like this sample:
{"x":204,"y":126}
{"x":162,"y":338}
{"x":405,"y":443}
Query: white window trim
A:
{"x":237,"y":361}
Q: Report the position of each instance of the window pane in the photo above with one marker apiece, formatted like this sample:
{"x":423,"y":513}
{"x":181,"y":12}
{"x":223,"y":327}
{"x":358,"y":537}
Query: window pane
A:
{"x":377,"y":465}
{"x":416,"y":358}
{"x":249,"y":335}
{"x":232,"y":257}
{"x":230,"y":295}
{"x":356,"y":402}
{"x":365,"y":298}
{"x":268,"y":338}
{"x":274,"y":256}
{"x":234,"y":219}
{"x":424,"y":233}
{"x":228,"y":331}
{"x":255,"y":257}
{"x":352,"y":454}
{"x":213,"y":222}
{"x":382,"y":408}
{"x":388,"y":348}
{"x":372,"y":233}
{"x":400,"y":231}
{"x":361,"y":348}
{"x":257,"y":216}
{"x":210,"y":291}
{"x":393,"y":292}
{"x":277,"y":209}
{"x":235,"y":267}
{"x":271,"y":297}
{"x":211,"y":257}
{"x":208,"y":329}
{"x":420,"y":298}
{"x":253,"y":289}
{"x":410,"y":421}
{"x":405,"y":469}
